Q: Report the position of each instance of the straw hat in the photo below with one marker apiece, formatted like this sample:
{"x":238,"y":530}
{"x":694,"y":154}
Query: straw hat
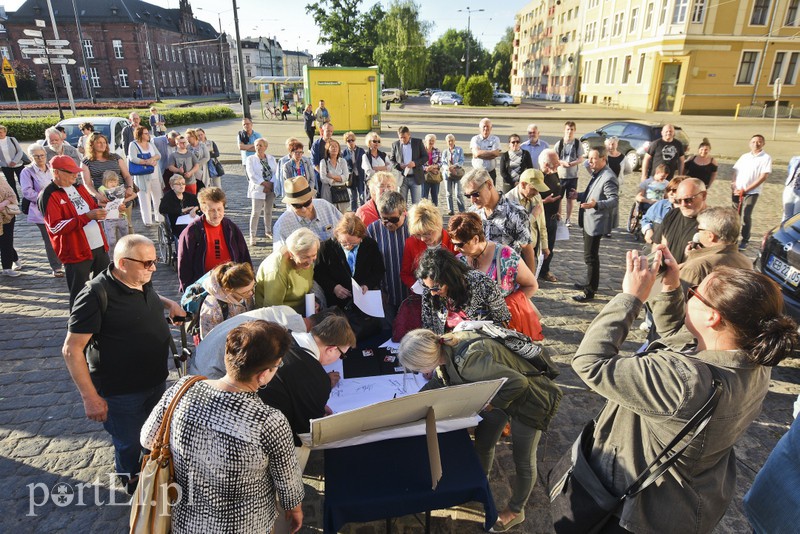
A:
{"x":535,"y":178}
{"x":297,"y":191}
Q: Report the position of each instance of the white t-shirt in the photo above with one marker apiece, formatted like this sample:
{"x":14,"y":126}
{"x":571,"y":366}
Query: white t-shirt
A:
{"x":749,"y":167}
{"x":5,"y":149}
{"x":406,"y":157}
{"x":92,"y":230}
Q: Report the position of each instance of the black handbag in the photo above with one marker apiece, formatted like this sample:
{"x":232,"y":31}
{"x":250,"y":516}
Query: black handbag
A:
{"x":339,"y":194}
{"x":218,"y":166}
{"x":580,"y":503}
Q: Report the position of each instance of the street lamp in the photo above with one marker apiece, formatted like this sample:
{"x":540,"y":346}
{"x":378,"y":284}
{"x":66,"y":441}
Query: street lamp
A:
{"x":469,"y":15}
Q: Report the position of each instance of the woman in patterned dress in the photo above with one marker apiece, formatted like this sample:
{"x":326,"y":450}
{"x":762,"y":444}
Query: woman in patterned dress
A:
{"x":234,"y":455}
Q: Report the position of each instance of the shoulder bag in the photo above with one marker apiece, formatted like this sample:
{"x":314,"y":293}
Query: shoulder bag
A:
{"x":580,"y":503}
{"x":151,"y":507}
{"x":454,"y":172}
{"x":137,"y":169}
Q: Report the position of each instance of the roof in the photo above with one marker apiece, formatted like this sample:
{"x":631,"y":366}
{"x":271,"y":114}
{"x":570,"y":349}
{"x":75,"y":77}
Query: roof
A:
{"x":95,"y":11}
{"x":276,"y":79}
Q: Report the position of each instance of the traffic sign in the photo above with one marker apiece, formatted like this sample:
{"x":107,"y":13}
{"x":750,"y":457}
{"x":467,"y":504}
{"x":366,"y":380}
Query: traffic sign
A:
{"x":40,"y":23}
{"x":30,"y":42}
{"x":11,"y":81}
{"x":40,"y":60}
{"x":32,"y":51}
{"x":62,"y":61}
{"x":57,"y":42}
{"x":60,"y":51}
{"x":7,"y":68}
{"x":32,"y":33}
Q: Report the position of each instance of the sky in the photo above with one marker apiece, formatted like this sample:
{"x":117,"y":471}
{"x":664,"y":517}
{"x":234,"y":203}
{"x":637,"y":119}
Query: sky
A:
{"x":287,"y":19}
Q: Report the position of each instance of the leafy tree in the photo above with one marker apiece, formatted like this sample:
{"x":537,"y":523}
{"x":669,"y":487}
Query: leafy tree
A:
{"x":461,"y":86}
{"x":401,"y":52}
{"x":478,"y":91}
{"x":448,"y":54}
{"x":351,"y":33}
{"x":450,"y":82}
{"x":26,"y":83}
{"x":500,"y":72}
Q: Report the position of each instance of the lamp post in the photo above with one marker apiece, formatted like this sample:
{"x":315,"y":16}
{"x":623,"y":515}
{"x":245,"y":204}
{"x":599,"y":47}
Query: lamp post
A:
{"x":469,"y":35}
{"x":240,"y":57}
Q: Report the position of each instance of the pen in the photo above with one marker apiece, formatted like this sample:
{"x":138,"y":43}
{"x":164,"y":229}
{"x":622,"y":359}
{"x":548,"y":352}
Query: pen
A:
{"x":395,"y":396}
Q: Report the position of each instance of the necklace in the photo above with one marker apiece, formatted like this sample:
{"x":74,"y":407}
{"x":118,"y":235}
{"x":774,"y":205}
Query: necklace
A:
{"x":478,"y":257}
{"x":231,"y":384}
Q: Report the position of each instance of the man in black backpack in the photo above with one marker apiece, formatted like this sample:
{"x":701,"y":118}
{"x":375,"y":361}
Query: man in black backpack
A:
{"x":119,"y":315}
{"x":570,"y":156}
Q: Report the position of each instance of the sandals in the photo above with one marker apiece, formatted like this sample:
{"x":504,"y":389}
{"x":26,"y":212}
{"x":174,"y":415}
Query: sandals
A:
{"x":58,"y":273}
{"x":500,"y":527}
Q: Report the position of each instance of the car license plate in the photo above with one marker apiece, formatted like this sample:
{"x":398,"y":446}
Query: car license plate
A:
{"x":784,"y":270}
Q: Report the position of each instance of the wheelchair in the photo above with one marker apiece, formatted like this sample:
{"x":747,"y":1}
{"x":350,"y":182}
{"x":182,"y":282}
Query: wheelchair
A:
{"x":634,"y":226}
{"x":167,"y":250}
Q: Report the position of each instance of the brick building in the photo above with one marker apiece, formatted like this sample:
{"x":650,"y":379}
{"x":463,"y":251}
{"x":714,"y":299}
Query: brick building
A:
{"x":130,"y":46}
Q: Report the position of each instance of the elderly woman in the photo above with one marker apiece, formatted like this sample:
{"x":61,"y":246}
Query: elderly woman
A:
{"x":353,"y":155}
{"x":433,"y":174}
{"x":230,"y":289}
{"x":551,"y":201}
{"x":349,"y":254}
{"x":513,"y":163}
{"x":201,"y":152}
{"x":11,"y":156}
{"x":503,"y":265}
{"x":453,"y":293}
{"x":298,"y":164}
{"x":213,"y":152}
{"x":33,"y":179}
{"x":261,"y":169}
{"x":142,"y":152}
{"x":730,"y":329}
{"x":9,"y":209}
{"x":286,"y":276}
{"x":527,"y":399}
{"x":374,"y":160}
{"x":426,"y":226}
{"x":452,"y":161}
{"x":99,"y":159}
{"x":177,"y":202}
{"x":381,"y":182}
{"x":333,"y":173}
{"x":184,"y":162}
{"x":258,"y":459}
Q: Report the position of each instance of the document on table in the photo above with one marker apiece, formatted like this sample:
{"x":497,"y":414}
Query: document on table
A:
{"x":370,"y":302}
{"x":352,"y":393}
{"x":184,"y":219}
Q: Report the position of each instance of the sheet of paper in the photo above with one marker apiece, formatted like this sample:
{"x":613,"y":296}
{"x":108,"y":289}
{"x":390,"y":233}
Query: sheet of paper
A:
{"x":470,"y":325}
{"x":370,"y":302}
{"x":184,"y":219}
{"x":539,"y":261}
{"x":352,"y":393}
{"x":112,"y":208}
{"x":389,"y":344}
{"x":418,"y":288}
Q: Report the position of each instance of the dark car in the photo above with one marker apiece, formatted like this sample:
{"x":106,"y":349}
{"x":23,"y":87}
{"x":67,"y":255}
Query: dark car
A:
{"x":779,"y":259}
{"x":634,"y":138}
{"x":428,"y":91}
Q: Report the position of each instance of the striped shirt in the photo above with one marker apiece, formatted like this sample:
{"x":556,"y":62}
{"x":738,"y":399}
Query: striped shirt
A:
{"x":391,"y":245}
{"x":327,"y":216}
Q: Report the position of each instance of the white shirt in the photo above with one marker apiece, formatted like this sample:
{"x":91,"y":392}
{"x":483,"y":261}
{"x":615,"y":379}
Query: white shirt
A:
{"x":92,"y":230}
{"x":4,"y":148}
{"x":407,"y":158}
{"x":255,"y":175}
{"x":485,"y":143}
{"x":749,"y":167}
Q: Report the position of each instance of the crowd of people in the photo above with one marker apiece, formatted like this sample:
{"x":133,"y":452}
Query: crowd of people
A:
{"x":373,"y":216}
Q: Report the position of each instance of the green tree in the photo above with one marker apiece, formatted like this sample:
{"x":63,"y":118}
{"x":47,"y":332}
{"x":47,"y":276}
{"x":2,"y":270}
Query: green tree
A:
{"x":448,"y":55}
{"x":450,"y":82}
{"x":500,"y":71}
{"x":401,"y":52}
{"x":461,"y":86}
{"x":478,"y":91}
{"x":351,"y":33}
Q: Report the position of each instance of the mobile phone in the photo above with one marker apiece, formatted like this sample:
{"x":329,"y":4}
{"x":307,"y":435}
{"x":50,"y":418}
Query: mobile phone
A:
{"x":663,"y":267}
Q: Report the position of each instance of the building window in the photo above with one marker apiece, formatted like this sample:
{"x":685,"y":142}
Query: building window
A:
{"x":679,"y":13}
{"x":747,"y":68}
{"x":648,"y":18}
{"x":123,"y":77}
{"x":94,"y":77}
{"x":791,"y":13}
{"x":117,"y":43}
{"x":183,"y":78}
{"x":777,"y":67}
{"x":593,"y":3}
{"x":791,"y":70}
{"x":173,"y":54}
{"x":626,"y":68}
{"x":590,"y":32}
{"x":612,"y":70}
{"x":616,"y":30}
{"x":662,"y":17}
{"x":634,"y":20}
{"x":698,"y":11}
{"x":604,"y":29}
{"x":760,"y":12}
{"x":599,"y":71}
{"x":640,"y":73}
{"x":783,"y":69}
{"x":163,"y":79}
{"x":171,"y":79}
{"x":88,"y":49}
{"x":587,"y":70}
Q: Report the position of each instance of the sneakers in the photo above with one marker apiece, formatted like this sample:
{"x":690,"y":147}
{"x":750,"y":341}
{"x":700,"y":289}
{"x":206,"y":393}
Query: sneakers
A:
{"x":10,"y":272}
{"x":743,"y":245}
{"x":16,"y":266}
{"x":645,"y":326}
{"x":58,"y":273}
{"x":568,"y":224}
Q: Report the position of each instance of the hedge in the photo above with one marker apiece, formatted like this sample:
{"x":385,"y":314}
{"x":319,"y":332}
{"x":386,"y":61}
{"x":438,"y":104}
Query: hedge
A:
{"x":33,"y":128}
{"x":478,"y":91}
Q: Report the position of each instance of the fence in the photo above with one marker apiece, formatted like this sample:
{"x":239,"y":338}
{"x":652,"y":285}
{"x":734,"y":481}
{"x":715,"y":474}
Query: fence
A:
{"x":763,"y":111}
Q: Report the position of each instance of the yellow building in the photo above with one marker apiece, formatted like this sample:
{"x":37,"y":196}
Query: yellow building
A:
{"x":689,"y":56}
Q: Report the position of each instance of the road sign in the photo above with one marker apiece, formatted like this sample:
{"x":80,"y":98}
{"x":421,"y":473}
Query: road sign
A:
{"x":32,"y":33}
{"x":32,"y":51}
{"x":40,"y":60}
{"x":30,"y":42}
{"x":40,"y":23}
{"x":62,"y":61}
{"x":57,"y":42}
{"x":11,"y":81}
{"x":7,"y":68}
{"x":60,"y":51}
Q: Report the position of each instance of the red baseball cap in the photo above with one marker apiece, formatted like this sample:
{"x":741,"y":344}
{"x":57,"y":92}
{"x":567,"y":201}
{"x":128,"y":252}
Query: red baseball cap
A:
{"x":65,"y":163}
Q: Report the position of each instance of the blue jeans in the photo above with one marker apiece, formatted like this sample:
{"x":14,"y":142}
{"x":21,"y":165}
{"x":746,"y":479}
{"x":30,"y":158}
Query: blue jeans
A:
{"x":410,"y":185}
{"x":433,"y":190}
{"x":455,"y":195}
{"x":126,"y":416}
{"x":524,"y":442}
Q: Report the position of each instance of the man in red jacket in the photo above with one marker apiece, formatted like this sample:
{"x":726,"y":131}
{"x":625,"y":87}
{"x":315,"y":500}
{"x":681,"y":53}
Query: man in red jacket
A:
{"x":70,"y":216}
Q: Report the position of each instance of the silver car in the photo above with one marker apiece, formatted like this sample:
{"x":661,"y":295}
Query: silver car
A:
{"x":502,"y":99}
{"x":447,"y":97}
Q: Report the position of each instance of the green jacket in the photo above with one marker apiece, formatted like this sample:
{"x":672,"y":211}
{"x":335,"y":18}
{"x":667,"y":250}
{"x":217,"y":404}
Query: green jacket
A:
{"x":526,"y":396}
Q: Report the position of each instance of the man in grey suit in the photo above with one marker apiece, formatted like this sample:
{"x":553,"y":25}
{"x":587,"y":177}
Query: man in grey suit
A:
{"x":408,"y":156}
{"x":597,"y":204}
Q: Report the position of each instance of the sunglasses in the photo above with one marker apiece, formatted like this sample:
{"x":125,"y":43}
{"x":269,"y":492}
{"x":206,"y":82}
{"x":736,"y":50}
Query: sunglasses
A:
{"x":145,"y":263}
{"x":351,"y":140}
{"x":303,"y":205}
{"x":688,"y":200}
{"x":375,"y":141}
{"x":458,"y":244}
{"x":476,"y":193}
{"x":434,"y":289}
{"x":513,"y":142}
{"x":390,"y":220}
{"x":692,"y":292}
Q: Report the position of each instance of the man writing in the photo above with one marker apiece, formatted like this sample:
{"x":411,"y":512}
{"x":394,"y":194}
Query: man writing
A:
{"x":123,"y":374}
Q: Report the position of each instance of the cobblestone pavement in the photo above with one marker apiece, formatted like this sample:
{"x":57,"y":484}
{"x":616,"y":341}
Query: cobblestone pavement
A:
{"x":46,"y":440}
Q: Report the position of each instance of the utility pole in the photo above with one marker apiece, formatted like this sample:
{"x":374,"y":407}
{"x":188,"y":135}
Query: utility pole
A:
{"x":89,"y":89}
{"x":153,"y":79}
{"x":469,"y":35}
{"x":242,"y":79}
{"x":222,"y":57}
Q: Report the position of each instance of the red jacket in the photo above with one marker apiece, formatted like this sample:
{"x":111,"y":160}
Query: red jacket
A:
{"x":368,"y":213}
{"x":65,"y":226}
{"x":411,"y":254}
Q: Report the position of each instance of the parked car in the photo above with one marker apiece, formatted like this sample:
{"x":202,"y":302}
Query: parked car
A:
{"x":502,"y":99}
{"x":634,"y":138}
{"x":111,"y":127}
{"x":393,"y":95}
{"x":428,"y":91}
{"x":447,"y":97}
{"x":779,"y":258}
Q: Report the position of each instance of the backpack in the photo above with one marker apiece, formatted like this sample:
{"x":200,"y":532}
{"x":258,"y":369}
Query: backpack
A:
{"x":559,"y":148}
{"x":519,"y":344}
{"x":192,"y":302}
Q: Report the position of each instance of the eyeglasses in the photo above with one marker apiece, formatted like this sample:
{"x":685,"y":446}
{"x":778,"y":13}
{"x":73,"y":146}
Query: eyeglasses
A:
{"x":40,"y":155}
{"x":476,"y":193}
{"x":342,"y":353}
{"x":692,"y":292}
{"x":390,"y":220}
{"x":179,"y":183}
{"x":514,"y":142}
{"x":147,"y":264}
{"x":688,"y":200}
{"x":458,"y":244}
{"x":434,"y":289}
{"x":303,"y":205}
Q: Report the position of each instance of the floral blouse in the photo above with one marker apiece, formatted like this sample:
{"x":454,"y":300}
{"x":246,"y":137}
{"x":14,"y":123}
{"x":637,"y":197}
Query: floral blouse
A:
{"x":486,"y":303}
{"x":506,"y":276}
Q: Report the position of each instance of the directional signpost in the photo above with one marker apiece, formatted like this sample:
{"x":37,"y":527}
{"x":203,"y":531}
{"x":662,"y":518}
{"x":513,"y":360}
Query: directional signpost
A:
{"x":49,"y":52}
{"x":11,"y":81}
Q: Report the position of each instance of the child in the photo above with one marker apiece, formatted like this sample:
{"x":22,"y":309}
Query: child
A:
{"x":652,"y":189}
{"x":117,"y":222}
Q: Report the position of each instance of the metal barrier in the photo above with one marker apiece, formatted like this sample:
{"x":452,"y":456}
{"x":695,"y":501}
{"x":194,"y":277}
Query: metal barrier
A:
{"x":762,"y":111}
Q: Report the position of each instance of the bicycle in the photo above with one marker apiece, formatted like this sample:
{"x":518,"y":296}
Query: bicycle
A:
{"x":269,"y":111}
{"x":634,"y":225}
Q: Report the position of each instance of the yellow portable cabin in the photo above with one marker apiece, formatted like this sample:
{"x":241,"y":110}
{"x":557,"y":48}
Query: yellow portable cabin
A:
{"x":351,"y":94}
